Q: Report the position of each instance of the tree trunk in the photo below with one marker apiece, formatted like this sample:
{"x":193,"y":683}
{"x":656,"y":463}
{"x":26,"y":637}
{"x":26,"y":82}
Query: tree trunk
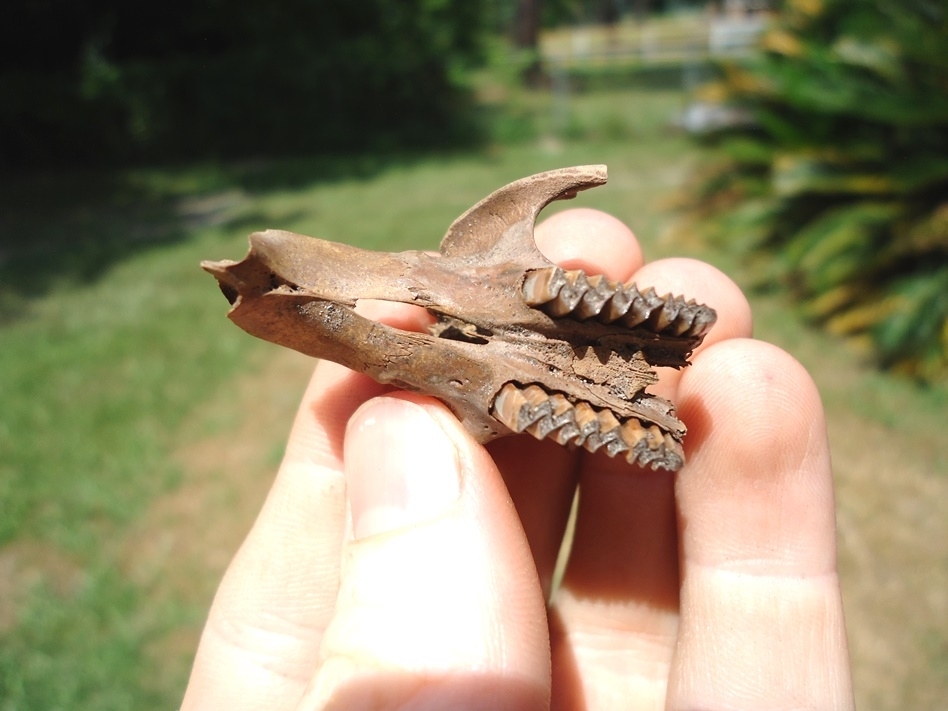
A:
{"x":607,"y":12}
{"x":527,"y":38}
{"x":641,"y":8}
{"x":527,"y":24}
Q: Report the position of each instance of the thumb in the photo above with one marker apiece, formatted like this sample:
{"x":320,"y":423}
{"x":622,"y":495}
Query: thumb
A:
{"x":439,"y":604}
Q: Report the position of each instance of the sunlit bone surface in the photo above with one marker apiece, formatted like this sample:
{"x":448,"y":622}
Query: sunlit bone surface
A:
{"x":518,"y":345}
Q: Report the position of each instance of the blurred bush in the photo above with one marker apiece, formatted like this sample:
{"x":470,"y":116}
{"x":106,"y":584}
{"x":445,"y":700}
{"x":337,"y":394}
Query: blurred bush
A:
{"x":102,"y":81}
{"x":835,"y":171}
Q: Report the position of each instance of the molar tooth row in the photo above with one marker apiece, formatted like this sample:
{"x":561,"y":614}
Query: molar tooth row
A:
{"x":560,"y":292}
{"x":532,"y":409}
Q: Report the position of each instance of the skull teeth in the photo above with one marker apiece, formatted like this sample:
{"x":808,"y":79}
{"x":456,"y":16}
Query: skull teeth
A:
{"x":561,"y":293}
{"x":532,"y":409}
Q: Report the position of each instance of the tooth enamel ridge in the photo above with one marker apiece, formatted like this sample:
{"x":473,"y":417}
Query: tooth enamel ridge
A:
{"x":542,"y":414}
{"x":571,"y":293}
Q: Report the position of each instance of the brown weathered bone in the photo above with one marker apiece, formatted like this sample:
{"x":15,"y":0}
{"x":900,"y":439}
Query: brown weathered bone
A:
{"x":519,"y":344}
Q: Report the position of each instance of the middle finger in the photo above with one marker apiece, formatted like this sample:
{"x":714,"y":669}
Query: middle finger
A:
{"x":541,"y":476}
{"x":617,"y":607}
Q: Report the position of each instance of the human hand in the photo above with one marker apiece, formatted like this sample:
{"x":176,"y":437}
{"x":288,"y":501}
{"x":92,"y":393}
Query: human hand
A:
{"x":397,"y":564}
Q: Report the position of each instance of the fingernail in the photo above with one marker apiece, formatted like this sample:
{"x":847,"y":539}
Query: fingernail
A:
{"x":402,"y":468}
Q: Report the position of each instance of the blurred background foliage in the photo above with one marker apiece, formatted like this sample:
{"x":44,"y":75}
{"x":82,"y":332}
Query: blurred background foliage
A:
{"x":104,"y":81}
{"x":108,"y":82}
{"x":833,"y":170}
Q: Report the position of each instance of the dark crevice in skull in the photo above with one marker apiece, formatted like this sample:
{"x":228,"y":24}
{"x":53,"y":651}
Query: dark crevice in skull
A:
{"x":457,"y":330}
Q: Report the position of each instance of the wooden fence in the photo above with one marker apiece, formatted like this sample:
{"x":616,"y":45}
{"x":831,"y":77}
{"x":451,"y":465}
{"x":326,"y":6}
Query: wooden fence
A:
{"x":688,"y":40}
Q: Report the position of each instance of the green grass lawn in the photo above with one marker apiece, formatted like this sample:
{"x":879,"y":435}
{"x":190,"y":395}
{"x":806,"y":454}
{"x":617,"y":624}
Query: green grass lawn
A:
{"x":139,"y":428}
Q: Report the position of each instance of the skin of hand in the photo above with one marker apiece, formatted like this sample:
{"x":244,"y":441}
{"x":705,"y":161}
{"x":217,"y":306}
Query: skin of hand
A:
{"x":398,"y":564}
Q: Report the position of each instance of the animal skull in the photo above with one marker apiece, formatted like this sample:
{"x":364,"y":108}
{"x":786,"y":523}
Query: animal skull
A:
{"x":519,"y":344}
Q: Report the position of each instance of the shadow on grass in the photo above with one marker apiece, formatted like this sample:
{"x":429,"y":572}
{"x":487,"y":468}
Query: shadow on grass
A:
{"x":66,"y":228}
{"x":61,"y":229}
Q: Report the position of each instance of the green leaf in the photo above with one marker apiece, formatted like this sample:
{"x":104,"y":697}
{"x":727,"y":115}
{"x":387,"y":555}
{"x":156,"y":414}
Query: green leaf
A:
{"x":800,"y":173}
{"x":922,"y":301}
{"x":842,"y":181}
